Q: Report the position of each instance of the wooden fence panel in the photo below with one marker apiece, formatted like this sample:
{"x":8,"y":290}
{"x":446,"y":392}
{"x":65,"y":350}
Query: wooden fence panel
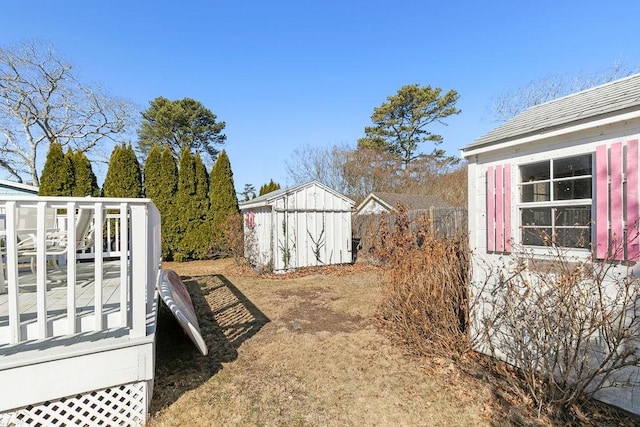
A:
{"x":440,"y":222}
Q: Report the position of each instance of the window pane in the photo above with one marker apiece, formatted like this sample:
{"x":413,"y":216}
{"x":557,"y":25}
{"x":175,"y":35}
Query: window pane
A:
{"x":538,"y":192}
{"x":536,"y":236}
{"x":536,"y":217}
{"x":572,"y":189}
{"x":573,"y":237}
{"x":572,"y":166}
{"x":573,"y":216}
{"x":535,"y":172}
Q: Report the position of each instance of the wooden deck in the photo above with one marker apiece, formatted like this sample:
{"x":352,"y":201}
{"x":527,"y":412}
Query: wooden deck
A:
{"x":77,"y":341}
{"x":57,"y":290}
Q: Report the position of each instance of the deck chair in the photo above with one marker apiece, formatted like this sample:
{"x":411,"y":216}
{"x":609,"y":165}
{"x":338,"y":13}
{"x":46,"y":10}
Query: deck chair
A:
{"x":56,"y":241}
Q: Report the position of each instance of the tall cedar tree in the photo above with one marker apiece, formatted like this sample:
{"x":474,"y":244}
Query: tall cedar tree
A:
{"x":224,"y":201}
{"x":269,"y":187}
{"x":160,"y":183}
{"x":85,"y":182}
{"x":202,"y":186}
{"x":124,"y":178}
{"x":197,"y":239}
{"x":189,"y":213}
{"x":57,"y":176}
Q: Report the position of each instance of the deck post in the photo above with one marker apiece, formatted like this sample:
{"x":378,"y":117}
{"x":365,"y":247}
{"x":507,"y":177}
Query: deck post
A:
{"x":12,"y":273}
{"x":139,"y":279}
{"x":122,"y":236}
{"x":41,"y":269}
{"x":98,"y":266}
{"x":71,"y":268}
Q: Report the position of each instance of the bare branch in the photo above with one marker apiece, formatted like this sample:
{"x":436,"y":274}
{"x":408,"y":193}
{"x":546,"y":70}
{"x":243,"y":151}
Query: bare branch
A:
{"x":513,"y":102}
{"x":41,"y":101}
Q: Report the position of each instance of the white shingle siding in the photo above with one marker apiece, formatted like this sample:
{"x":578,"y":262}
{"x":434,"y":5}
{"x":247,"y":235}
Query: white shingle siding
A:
{"x":569,"y":126}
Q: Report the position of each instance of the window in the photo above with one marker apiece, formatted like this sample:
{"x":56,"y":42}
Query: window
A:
{"x":555,"y":202}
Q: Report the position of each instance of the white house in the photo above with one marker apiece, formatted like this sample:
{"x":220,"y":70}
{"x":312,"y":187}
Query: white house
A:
{"x":10,"y":188}
{"x":306,"y":225}
{"x":561,"y":175}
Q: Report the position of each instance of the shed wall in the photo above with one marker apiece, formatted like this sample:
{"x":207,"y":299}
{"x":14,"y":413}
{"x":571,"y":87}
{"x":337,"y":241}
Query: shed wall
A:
{"x":312,"y":227}
{"x":258,"y":236}
{"x":307,"y":226}
{"x":488,"y":266}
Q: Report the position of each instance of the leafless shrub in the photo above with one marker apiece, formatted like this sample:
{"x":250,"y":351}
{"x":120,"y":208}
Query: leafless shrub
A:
{"x":424,"y":299}
{"x":232,"y":240}
{"x":570,"y":326}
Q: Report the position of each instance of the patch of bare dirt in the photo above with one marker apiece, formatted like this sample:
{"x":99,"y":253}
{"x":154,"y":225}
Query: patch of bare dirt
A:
{"x":311,"y":312}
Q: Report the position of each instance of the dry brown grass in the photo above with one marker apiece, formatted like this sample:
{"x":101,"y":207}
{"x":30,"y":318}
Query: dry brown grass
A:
{"x":300,"y":349}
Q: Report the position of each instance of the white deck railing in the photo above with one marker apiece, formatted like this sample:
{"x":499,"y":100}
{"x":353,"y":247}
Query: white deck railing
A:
{"x":126,"y":232}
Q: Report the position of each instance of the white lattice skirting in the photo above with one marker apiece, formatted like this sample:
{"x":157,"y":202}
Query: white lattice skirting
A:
{"x":124,"y":405}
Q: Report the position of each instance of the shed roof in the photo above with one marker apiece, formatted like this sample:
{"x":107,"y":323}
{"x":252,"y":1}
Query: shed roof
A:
{"x":415,"y":201}
{"x":267,"y":199}
{"x":601,"y":101}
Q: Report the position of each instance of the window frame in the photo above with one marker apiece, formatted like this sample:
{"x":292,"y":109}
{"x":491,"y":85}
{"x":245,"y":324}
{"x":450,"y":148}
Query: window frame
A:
{"x":553,"y":204}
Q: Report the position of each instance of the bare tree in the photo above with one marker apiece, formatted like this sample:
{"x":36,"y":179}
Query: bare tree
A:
{"x":323,"y":164}
{"x":42,"y":101}
{"x":369,"y":169}
{"x":358,"y":172}
{"x":545,"y":89}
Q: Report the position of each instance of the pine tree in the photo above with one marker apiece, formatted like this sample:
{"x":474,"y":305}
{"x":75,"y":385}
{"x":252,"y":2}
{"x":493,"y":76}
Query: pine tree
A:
{"x":124,"y":178}
{"x":224,"y":201}
{"x":57,"y":175}
{"x":269,"y":187}
{"x":86,"y":183}
{"x":160,"y":183}
{"x":248,"y":193}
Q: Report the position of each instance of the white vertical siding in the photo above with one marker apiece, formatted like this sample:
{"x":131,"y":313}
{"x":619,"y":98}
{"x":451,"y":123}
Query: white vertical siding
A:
{"x":310,"y":226}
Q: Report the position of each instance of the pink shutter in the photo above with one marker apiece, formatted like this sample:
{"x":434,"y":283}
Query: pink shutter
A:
{"x":617,"y":230}
{"x":491,"y":209}
{"x":507,"y":207}
{"x":613,"y":204}
{"x":602,"y":202}
{"x":499,"y":210}
{"x":633,"y":239}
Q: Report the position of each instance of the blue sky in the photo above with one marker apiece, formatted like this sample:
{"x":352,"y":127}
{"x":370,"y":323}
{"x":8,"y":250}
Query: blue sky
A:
{"x":289,"y":74}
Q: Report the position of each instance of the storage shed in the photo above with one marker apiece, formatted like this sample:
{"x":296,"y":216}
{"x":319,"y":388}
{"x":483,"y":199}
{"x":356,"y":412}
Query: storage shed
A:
{"x":306,"y":225}
{"x":559,"y":179}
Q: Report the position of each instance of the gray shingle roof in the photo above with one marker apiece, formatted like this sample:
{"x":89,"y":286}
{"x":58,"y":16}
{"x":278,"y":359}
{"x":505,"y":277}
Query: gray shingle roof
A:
{"x":608,"y":99}
{"x":415,"y":201}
